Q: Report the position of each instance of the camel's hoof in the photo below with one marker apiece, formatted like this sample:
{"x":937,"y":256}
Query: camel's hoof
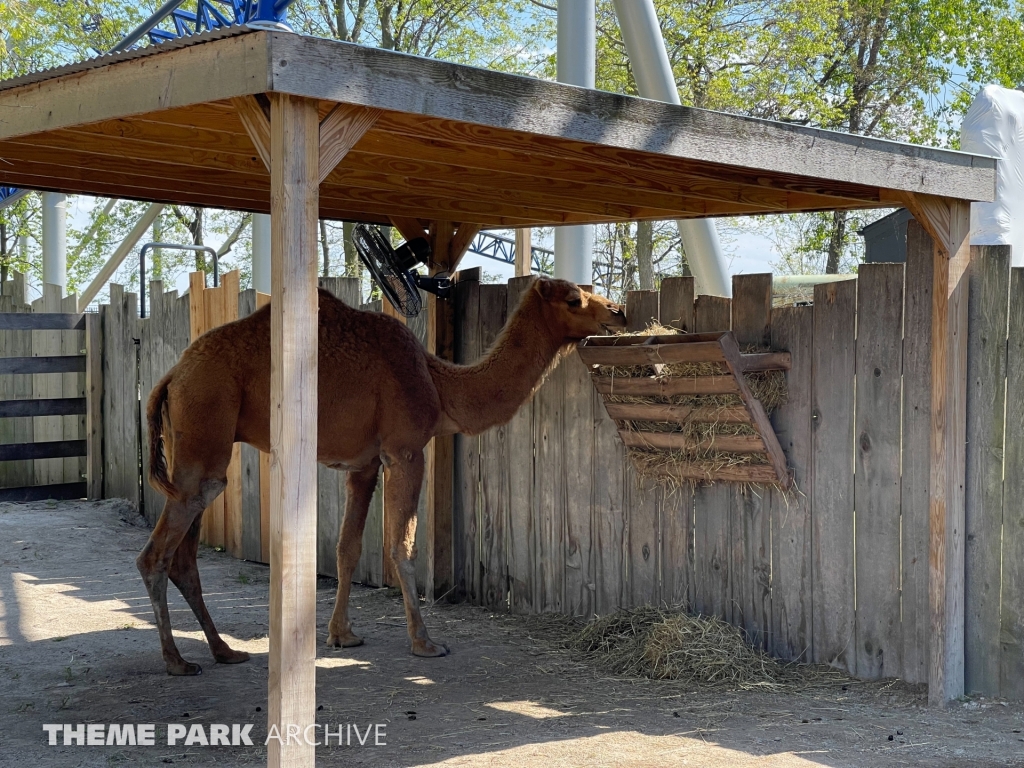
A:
{"x":349,"y":640}
{"x":183,"y":668}
{"x":430,"y":650}
{"x":230,"y":656}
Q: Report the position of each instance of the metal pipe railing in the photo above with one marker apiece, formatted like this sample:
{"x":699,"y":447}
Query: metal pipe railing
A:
{"x":170,"y":247}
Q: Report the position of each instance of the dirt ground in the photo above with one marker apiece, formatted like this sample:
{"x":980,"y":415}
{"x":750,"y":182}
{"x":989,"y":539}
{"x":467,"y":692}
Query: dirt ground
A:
{"x":78,"y":645}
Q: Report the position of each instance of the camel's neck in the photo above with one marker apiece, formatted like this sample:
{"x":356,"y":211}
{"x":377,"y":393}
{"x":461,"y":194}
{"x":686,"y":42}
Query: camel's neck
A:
{"x":489,"y":392}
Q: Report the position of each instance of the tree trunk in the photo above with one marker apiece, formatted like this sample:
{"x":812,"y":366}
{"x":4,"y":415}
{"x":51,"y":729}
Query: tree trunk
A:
{"x":325,"y":247}
{"x":196,"y":230}
{"x":645,"y":254}
{"x":158,"y":254}
{"x":836,"y":242}
{"x":352,"y":263}
{"x":3,"y":253}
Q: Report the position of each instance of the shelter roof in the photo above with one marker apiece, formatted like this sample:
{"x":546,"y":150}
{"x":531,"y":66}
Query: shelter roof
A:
{"x":454,"y":143}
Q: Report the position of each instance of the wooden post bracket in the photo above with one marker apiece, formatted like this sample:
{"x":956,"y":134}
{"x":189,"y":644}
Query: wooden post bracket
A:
{"x":339,"y":130}
{"x":716,"y":348}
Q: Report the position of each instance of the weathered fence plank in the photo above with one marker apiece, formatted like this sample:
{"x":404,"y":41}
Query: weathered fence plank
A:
{"x":641,"y":309}
{"x":121,"y":438}
{"x":48,"y":343}
{"x":521,"y":522}
{"x":466,"y":514}
{"x":643,"y":499}
{"x":94,"y":408}
{"x":370,"y":568}
{"x":610,"y":514}
{"x":917,"y":430}
{"x":549,"y":476}
{"x":1011,"y":636}
{"x":578,"y":447}
{"x":986,"y":400}
{"x":713,"y":547}
{"x":249,"y":463}
{"x":835,"y":318}
{"x":879,"y":365}
{"x":676,"y":305}
{"x":793,"y":330}
{"x":750,"y":508}
{"x":493,"y":471}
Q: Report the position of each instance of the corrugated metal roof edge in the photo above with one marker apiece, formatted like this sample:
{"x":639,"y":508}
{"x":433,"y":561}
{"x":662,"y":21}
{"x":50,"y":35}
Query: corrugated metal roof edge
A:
{"x":136,"y":53}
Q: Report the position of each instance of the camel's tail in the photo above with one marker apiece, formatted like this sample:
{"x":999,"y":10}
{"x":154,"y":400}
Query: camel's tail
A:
{"x":155,"y":412}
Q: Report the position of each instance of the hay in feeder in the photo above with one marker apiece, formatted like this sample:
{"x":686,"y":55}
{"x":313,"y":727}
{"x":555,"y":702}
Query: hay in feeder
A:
{"x":704,"y":652}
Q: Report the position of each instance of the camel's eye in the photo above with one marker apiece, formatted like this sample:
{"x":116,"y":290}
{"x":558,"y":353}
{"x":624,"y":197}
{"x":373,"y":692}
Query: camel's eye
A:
{"x":574,"y":302}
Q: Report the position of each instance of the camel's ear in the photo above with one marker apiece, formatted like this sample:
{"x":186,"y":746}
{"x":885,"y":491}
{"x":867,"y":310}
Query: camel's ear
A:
{"x":546,"y":288}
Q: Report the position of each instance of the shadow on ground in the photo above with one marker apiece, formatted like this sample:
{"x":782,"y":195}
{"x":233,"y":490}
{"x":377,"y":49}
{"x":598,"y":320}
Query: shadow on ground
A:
{"x":77,"y":645}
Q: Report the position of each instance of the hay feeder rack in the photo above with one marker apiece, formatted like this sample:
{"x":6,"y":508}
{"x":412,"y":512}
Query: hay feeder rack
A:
{"x":660,"y":350}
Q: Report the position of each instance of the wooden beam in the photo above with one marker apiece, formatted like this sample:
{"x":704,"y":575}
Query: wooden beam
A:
{"x":409,"y":227}
{"x":147,"y":81}
{"x":460,"y":242}
{"x":949,"y":220}
{"x":295,"y":158}
{"x":256,"y":123}
{"x":482,"y":104}
{"x":339,"y":132}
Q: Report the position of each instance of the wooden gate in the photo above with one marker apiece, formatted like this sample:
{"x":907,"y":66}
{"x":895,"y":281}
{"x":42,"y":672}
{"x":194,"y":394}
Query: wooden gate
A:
{"x":49,"y":392}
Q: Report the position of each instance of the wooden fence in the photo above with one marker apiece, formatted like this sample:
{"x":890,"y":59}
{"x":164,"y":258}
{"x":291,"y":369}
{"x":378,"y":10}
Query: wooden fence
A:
{"x":48,"y":429}
{"x":549,"y":516}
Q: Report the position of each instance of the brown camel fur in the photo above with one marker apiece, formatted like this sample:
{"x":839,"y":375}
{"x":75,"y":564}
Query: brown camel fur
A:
{"x":381,"y":398}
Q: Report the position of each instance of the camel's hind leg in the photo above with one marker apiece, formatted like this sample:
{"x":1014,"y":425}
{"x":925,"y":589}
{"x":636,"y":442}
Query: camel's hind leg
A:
{"x":185,"y":574}
{"x":154,"y":563}
{"x":401,"y":497}
{"x":361,"y":484}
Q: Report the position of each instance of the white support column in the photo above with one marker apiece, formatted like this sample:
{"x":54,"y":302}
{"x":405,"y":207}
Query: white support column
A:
{"x":645,"y":47}
{"x":576,"y":59}
{"x":294,"y":194}
{"x":261,"y":252}
{"x":55,"y":243}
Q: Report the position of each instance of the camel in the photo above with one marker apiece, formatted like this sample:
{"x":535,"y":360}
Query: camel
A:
{"x":382,"y":397}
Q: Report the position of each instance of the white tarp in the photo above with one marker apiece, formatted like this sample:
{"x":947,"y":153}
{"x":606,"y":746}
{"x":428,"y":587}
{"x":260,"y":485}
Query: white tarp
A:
{"x":994,"y":125}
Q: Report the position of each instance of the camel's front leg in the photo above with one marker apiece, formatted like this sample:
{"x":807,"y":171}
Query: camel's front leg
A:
{"x":403,"y":479}
{"x":361,"y":484}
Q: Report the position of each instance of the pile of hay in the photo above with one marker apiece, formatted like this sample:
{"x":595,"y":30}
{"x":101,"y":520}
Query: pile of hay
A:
{"x":697,"y":652}
{"x":768,"y":387}
{"x":668,"y":645}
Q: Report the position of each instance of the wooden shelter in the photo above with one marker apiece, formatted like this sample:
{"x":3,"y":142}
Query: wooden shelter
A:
{"x":303,"y":127}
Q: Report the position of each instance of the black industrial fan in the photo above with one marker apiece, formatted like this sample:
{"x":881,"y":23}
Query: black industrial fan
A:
{"x":393,"y":268}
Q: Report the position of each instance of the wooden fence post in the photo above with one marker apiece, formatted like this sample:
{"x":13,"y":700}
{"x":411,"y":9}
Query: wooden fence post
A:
{"x":94,"y":405}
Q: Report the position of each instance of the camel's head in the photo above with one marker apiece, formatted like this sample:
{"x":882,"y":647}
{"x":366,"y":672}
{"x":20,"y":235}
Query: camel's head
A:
{"x":576,"y":312}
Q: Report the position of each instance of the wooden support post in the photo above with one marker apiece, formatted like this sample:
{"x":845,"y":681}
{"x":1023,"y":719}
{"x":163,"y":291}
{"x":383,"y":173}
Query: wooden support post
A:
{"x":524,"y":252}
{"x":948,"y":221}
{"x":295,"y":170}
